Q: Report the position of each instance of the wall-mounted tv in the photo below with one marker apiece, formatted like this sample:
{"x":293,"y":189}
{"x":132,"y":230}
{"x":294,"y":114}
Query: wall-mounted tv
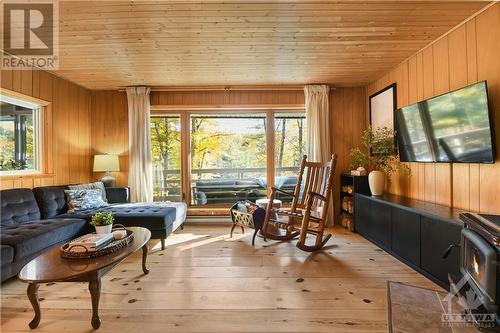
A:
{"x":454,"y":128}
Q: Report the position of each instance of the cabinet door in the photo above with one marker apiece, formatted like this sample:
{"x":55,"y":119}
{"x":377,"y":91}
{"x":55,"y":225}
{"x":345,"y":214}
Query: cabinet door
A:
{"x":436,"y":236}
{"x":362,"y":214}
{"x":380,"y":228}
{"x":405,"y":240}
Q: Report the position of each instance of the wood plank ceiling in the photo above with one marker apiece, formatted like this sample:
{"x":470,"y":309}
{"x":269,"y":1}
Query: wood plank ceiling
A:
{"x":105,"y":45}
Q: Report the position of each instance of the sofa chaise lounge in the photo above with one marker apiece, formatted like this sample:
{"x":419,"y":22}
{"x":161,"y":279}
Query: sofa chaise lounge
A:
{"x":35,"y":220}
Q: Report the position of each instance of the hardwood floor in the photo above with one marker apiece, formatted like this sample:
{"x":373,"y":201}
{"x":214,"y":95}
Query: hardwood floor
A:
{"x":206,"y":282}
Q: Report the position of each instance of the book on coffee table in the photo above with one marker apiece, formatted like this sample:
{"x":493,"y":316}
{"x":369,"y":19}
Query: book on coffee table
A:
{"x":91,"y":242}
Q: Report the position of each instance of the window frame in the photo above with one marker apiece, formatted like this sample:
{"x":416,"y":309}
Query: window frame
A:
{"x":186,"y":112}
{"x":40,"y":138}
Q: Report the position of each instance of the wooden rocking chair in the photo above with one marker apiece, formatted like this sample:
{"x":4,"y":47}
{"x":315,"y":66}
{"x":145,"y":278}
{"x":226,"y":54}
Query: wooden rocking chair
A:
{"x":309,"y":211}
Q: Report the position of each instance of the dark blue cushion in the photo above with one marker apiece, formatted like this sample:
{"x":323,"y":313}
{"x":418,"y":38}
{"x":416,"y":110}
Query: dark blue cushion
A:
{"x":18,"y":206}
{"x":7,"y":254}
{"x":51,"y":200}
{"x":31,"y":237}
{"x":152,"y":216}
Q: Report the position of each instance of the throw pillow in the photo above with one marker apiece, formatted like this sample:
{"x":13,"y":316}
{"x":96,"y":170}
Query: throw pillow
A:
{"x":91,"y":186}
{"x":84,"y":199}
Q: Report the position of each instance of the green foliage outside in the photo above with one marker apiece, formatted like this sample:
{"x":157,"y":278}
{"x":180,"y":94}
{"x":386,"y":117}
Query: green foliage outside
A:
{"x":8,"y":161}
{"x":222,"y":142}
{"x":166,"y":156}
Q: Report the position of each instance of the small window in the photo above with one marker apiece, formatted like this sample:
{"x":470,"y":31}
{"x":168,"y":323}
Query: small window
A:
{"x":20,"y":136}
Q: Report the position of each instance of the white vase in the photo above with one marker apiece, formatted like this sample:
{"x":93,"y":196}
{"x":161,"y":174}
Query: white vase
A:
{"x":103,"y":229}
{"x":376,"y":180}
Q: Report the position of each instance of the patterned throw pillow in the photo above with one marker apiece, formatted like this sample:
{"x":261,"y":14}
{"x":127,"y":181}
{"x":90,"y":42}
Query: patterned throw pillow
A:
{"x":84,"y":199}
{"x":91,"y":186}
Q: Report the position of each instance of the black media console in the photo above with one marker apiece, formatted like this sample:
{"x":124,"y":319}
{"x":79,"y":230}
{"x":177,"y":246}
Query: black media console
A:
{"x":416,"y":232}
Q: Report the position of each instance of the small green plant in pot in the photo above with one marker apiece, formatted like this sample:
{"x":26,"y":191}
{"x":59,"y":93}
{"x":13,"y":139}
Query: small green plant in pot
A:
{"x":382,"y":158}
{"x":102,"y":222}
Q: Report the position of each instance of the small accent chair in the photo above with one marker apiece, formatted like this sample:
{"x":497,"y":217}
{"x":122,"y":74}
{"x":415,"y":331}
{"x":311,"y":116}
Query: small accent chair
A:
{"x":309,"y":206}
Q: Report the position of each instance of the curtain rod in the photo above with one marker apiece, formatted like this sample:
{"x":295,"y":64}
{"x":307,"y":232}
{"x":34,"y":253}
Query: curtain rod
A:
{"x":229,"y":88}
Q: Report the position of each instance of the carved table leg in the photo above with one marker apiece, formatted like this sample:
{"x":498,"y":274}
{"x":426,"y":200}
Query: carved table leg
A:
{"x":144,"y":257}
{"x":33,"y":297}
{"x":95,"y":294}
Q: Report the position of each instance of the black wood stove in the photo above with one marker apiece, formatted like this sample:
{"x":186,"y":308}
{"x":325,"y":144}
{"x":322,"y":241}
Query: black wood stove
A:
{"x":480,"y":255}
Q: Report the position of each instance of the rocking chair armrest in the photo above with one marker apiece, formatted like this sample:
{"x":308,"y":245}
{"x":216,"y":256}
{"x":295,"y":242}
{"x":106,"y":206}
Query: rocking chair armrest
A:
{"x":275,"y":189}
{"x":317,"y":195}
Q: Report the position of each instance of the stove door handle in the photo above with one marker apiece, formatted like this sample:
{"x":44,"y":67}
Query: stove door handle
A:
{"x":448,"y":250}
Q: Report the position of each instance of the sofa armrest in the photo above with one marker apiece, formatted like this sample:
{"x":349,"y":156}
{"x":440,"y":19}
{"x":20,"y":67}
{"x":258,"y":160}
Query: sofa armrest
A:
{"x":118,"y":194}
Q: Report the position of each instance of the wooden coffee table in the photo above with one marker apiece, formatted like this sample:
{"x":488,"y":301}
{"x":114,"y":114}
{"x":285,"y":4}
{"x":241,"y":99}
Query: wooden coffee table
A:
{"x":51,"y":267}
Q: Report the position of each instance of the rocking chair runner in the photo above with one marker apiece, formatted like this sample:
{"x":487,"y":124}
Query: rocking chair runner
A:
{"x":309,"y":211}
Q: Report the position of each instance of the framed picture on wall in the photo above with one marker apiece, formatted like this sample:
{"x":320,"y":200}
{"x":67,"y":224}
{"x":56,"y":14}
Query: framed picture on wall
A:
{"x":383,"y":107}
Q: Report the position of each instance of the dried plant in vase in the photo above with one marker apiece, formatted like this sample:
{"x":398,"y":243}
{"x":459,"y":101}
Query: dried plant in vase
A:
{"x":382,"y":159}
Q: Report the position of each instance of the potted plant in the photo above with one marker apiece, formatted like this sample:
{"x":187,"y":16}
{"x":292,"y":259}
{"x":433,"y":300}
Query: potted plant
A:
{"x":102,"y":222}
{"x":382,"y":158}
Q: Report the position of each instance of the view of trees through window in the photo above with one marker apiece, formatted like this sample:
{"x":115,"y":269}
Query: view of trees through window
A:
{"x":17,"y":137}
{"x":166,"y":156}
{"x":289,"y":134}
{"x":228,"y":158}
{"x":228,"y":155}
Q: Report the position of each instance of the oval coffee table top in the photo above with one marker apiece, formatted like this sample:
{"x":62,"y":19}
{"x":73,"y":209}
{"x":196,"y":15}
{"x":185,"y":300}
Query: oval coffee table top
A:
{"x":50,"y":266}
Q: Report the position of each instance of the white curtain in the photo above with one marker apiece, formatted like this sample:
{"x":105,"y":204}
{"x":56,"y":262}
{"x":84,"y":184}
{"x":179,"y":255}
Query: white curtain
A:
{"x":318,"y":129}
{"x":140,"y":178}
{"x":318,"y":123}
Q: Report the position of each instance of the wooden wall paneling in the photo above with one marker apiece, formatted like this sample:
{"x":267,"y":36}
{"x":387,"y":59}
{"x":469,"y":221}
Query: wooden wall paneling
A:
{"x":457,"y":49}
{"x":464,"y":56}
{"x":121,"y":119}
{"x":35,"y":82}
{"x":400,"y":76}
{"x":84,"y":119}
{"x":471,"y":36}
{"x":45,"y":91}
{"x":6,"y":79}
{"x":441,"y":72}
{"x":61,"y":121}
{"x":428,"y":81}
{"x":27,"y":82}
{"x":74,"y":137}
{"x":16,"y":81}
{"x":412,"y":98}
{"x":109,"y":130}
{"x":488,"y":68}
{"x":471,"y":49}
{"x":420,"y":96}
{"x":348,"y":114}
{"x":347,"y":120}
{"x":336,"y":105}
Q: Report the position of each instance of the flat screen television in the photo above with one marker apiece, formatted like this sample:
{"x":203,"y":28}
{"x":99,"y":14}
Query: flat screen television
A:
{"x":454,"y":128}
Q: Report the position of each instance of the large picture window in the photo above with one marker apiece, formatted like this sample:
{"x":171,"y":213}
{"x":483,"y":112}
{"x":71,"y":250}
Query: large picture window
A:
{"x":215,"y":158}
{"x":20,"y":136}
{"x":228,"y":158}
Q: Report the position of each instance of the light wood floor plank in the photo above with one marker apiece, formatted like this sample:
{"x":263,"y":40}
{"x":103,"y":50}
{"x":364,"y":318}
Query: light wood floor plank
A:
{"x":206,"y":282}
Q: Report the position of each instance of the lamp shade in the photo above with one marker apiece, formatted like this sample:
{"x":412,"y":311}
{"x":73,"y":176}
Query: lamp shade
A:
{"x":106,"y":163}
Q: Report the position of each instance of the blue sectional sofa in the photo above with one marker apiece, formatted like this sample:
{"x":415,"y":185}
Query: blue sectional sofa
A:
{"x":35,"y":220}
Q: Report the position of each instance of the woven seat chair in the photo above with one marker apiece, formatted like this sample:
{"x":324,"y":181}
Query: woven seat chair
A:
{"x":311,"y":199}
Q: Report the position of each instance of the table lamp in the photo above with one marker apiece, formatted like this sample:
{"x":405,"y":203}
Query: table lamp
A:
{"x":107,"y":163}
